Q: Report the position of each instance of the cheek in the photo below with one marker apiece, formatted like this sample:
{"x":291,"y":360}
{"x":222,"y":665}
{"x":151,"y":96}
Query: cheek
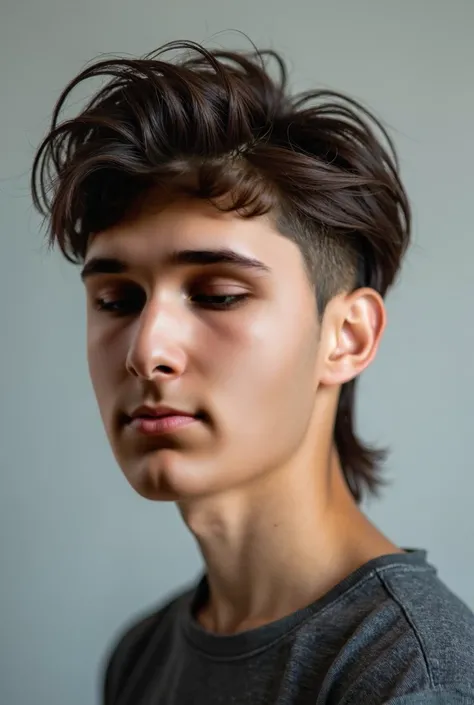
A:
{"x":266,"y":404}
{"x":106,"y":355}
{"x":269,"y":365}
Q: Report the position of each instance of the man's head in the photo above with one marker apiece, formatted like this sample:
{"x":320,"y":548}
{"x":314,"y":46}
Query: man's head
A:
{"x":237,"y":245}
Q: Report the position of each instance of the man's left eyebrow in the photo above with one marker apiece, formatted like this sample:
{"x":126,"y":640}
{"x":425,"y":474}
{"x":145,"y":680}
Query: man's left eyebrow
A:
{"x":218,"y":256}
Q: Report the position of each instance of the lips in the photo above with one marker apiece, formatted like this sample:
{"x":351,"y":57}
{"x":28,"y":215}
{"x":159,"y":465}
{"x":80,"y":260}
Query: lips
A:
{"x":150,"y":421}
{"x":157,"y":412}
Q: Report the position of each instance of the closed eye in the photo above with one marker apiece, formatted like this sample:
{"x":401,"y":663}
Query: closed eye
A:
{"x":124,"y":303}
{"x":130,"y":301}
{"x":220,"y":302}
{"x":119,"y":306}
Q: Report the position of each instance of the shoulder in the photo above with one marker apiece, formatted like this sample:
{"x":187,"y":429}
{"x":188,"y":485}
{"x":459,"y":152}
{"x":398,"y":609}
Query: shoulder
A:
{"x":136,"y":642}
{"x":439,"y":622}
{"x":411,"y":640}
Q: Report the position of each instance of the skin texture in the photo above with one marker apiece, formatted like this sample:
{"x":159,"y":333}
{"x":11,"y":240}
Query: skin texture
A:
{"x":256,"y":477}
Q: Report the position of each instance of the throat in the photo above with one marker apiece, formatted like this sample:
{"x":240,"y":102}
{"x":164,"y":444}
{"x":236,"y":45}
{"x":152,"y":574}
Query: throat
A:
{"x":266,"y":561}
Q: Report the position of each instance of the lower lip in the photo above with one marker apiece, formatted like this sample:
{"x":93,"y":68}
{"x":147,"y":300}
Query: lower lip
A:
{"x":149,"y":426}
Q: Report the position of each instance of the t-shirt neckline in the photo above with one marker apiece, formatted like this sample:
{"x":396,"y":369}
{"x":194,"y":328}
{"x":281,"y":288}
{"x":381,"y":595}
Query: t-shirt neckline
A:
{"x":247,"y":643}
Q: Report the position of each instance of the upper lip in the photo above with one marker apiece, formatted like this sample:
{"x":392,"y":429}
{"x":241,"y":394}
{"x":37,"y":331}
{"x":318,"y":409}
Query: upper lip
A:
{"x":157,"y":412}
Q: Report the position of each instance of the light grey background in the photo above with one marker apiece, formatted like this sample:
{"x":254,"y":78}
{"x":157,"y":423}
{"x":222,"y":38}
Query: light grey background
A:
{"x":80,"y":553}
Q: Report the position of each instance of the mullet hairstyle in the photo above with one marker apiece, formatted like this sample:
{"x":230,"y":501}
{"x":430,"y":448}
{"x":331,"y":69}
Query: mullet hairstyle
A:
{"x":215,"y":125}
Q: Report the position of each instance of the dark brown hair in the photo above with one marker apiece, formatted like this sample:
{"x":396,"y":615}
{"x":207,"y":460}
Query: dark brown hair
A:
{"x":213,"y":124}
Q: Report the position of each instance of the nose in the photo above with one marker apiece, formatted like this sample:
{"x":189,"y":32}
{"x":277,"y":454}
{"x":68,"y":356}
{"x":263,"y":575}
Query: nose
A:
{"x":156,"y":348}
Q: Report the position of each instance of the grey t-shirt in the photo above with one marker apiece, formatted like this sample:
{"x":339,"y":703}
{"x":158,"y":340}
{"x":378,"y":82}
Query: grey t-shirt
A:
{"x":390,"y":633}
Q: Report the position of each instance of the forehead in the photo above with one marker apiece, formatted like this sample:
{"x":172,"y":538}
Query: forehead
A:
{"x":149,"y":234}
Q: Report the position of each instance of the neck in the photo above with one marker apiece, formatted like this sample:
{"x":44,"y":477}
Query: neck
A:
{"x":280,"y":545}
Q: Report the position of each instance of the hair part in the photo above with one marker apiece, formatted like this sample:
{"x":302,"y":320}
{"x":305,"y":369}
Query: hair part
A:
{"x":215,"y":125}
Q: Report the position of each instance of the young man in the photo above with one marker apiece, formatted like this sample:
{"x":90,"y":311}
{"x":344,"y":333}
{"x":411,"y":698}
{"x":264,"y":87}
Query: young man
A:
{"x":236,"y":245}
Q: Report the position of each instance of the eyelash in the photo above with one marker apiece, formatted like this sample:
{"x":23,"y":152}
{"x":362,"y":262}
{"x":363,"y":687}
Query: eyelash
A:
{"x":221,"y":302}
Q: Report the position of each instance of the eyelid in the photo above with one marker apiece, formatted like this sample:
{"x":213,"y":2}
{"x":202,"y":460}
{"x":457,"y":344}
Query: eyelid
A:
{"x":112,"y":284}
{"x":126,"y":292}
{"x":111,"y":288}
{"x":219,"y":282}
{"x":223,"y":288}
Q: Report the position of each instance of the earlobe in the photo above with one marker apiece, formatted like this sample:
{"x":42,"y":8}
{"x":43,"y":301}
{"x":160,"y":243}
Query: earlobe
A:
{"x":353,"y":332}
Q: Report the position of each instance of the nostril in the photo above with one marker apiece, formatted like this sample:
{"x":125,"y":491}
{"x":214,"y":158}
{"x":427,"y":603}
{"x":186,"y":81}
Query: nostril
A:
{"x":165,"y":369}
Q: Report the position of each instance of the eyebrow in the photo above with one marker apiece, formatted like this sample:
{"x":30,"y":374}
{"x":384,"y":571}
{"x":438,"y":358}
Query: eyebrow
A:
{"x":112,"y":265}
{"x":103,"y":265}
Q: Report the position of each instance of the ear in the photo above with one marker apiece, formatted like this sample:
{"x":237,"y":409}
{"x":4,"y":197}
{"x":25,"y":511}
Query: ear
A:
{"x":352,"y":328}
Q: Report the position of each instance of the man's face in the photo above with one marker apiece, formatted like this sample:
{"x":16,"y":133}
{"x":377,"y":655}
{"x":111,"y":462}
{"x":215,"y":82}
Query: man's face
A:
{"x":210,"y":315}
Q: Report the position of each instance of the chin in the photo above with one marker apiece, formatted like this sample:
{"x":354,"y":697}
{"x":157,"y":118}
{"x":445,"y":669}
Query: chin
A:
{"x":168,"y":478}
